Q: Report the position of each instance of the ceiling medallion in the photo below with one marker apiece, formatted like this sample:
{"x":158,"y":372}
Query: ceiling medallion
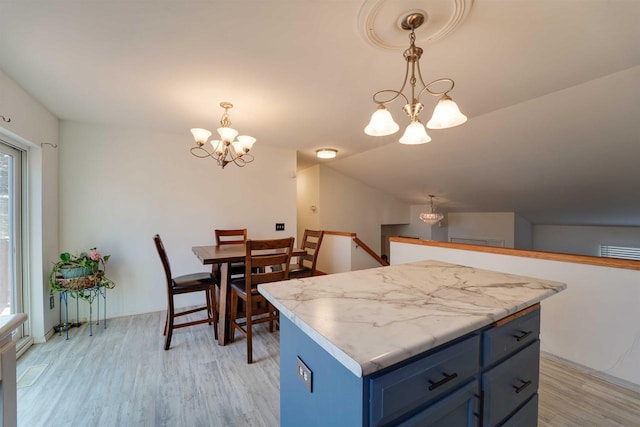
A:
{"x":380,"y":21}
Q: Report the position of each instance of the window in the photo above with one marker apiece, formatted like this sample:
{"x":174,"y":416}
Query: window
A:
{"x":625,"y":252}
{"x":482,"y":242}
{"x":11,"y":244}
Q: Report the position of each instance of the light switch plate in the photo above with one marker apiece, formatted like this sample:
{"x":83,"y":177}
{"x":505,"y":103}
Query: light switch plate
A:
{"x":305,"y":374}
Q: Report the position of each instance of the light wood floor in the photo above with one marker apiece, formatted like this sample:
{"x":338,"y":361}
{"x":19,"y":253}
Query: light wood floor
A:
{"x":122,"y":377}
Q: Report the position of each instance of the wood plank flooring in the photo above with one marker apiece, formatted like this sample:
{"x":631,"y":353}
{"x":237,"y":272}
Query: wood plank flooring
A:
{"x":121,"y":376}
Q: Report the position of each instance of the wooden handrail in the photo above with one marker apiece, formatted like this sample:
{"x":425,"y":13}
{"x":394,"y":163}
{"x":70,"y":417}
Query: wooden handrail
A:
{"x":552,"y":256}
{"x":340,"y":233}
{"x":368,"y":250}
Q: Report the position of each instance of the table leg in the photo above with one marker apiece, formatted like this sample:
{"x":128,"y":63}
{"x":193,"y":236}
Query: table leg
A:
{"x":224,"y":304}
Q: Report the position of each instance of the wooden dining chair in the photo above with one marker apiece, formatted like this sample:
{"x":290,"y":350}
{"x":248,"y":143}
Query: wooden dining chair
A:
{"x":306,"y":266}
{"x":266,"y":261}
{"x":196,"y":282}
{"x":231,"y":237}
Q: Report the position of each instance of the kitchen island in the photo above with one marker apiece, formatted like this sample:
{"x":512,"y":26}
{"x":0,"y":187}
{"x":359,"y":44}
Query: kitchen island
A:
{"x":420,"y":344}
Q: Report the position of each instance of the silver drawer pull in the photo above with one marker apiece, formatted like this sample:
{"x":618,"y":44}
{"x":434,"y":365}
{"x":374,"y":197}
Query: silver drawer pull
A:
{"x":524,"y":385}
{"x":523,"y":335}
{"x":446,"y":379}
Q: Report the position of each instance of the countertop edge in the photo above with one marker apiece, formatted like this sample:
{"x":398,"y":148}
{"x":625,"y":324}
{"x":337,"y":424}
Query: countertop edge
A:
{"x":361,"y":369}
{"x":347,"y":361}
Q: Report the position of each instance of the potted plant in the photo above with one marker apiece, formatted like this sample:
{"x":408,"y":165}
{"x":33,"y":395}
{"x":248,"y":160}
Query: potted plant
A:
{"x":77,"y":272}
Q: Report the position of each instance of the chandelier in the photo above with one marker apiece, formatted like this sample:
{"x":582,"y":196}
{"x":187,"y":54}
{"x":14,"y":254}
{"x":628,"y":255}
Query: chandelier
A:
{"x":432,"y":216}
{"x":445,"y":115}
{"x":227,"y":149}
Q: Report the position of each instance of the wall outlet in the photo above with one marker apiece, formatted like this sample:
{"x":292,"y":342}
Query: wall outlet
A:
{"x":305,"y":374}
{"x":279,"y":226}
{"x":52,"y":302}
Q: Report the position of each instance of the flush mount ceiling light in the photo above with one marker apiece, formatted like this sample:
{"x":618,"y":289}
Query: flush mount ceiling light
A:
{"x":446,"y":113}
{"x":326,"y":153}
{"x":227,"y":149}
{"x":432,"y":216}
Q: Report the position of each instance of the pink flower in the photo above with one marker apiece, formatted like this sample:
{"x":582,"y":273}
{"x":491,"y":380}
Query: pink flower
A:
{"x":95,"y":255}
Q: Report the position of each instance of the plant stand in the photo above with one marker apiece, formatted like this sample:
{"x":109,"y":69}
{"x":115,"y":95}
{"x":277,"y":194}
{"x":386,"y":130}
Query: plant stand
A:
{"x":89,"y":289}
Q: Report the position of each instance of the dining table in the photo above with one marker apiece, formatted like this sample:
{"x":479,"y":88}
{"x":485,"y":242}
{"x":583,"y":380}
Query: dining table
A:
{"x":224,"y":255}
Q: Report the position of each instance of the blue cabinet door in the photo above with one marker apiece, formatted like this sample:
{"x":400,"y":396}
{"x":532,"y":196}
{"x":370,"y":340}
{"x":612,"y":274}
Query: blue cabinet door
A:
{"x":456,"y":410}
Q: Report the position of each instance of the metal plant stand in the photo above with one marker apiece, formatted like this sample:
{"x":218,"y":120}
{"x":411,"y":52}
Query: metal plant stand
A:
{"x":89,"y":294}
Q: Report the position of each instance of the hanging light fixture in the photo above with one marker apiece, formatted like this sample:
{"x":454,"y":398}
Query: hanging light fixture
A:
{"x":445,"y":115}
{"x":227,"y":149}
{"x":432,"y":216}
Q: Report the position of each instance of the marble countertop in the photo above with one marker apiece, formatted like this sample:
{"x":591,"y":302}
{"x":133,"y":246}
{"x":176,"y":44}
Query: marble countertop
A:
{"x":371,"y":319}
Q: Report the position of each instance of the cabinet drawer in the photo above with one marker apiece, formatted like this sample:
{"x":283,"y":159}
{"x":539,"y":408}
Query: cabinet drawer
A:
{"x":500,"y":341}
{"x":510,"y":384}
{"x":459,"y":409}
{"x":401,"y":390}
{"x":527,"y":416}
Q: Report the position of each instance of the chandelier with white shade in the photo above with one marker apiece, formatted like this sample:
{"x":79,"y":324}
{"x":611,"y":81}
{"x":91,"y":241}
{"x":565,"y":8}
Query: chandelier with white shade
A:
{"x":227,"y":149}
{"x":432,"y":216}
{"x":446,"y":113}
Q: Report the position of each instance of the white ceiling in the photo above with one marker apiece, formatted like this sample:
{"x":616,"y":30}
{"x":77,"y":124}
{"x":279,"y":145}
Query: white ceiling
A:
{"x":551,"y":89}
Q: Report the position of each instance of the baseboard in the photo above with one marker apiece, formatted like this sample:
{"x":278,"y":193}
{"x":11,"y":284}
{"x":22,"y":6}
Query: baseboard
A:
{"x":49,"y":334}
{"x":23,"y":345}
{"x":594,"y":373}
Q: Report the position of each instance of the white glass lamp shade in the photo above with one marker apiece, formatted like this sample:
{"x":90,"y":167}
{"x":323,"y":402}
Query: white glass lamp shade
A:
{"x":200,"y":135}
{"x":245,"y":143}
{"x":415,"y":134}
{"x":431,"y":217}
{"x":381,"y":123}
{"x":227,"y":134}
{"x":218,"y":147}
{"x":326,"y":153}
{"x":446,"y":114}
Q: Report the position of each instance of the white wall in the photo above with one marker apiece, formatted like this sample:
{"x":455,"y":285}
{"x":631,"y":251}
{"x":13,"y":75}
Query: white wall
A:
{"x":595,"y":322}
{"x":348,"y":205}
{"x":339,"y":254}
{"x":582,"y":240}
{"x":416,"y":228}
{"x":483,"y":226}
{"x":120,"y":187}
{"x":31,"y":125}
{"x":308,"y":195}
{"x":523,"y":238}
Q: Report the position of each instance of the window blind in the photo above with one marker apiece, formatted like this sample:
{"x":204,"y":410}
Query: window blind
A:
{"x":624,"y":252}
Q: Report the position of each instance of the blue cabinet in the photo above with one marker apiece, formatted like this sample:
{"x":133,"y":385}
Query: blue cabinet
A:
{"x":401,"y":390}
{"x":486,"y":378}
{"x":510,"y":384}
{"x":457,"y":409}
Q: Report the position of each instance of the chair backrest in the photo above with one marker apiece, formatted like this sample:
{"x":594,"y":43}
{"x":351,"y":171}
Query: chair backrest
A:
{"x":267,"y":261}
{"x":311,"y":242}
{"x":231,"y":237}
{"x":163,"y":258}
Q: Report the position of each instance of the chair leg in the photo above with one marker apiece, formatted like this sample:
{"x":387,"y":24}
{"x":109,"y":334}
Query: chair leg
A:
{"x":270,"y":310}
{"x":169,"y":326}
{"x":249,"y":340}
{"x":207,"y":297}
{"x":214,"y":309}
{"x":234,"y":312}
{"x":166,"y":322}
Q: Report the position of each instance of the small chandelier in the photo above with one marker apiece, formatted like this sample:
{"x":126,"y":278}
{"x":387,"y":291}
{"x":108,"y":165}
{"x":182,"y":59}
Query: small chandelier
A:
{"x":432,"y":216}
{"x":445,"y":115}
{"x":227,"y":149}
